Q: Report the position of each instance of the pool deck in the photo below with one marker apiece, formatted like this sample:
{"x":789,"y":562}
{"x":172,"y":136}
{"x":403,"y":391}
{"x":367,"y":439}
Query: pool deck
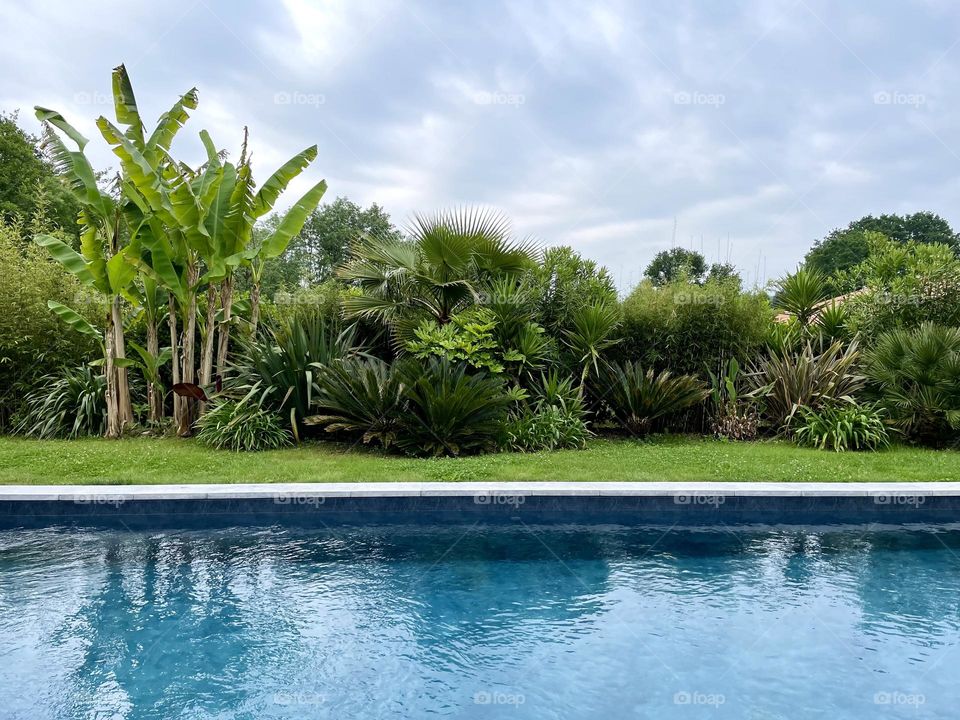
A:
{"x":106,"y":493}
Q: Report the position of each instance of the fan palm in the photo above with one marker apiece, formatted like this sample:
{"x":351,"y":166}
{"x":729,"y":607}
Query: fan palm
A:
{"x":441,"y":269}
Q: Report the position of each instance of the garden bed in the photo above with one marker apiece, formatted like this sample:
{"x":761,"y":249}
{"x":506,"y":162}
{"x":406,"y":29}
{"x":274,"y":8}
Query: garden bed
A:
{"x":667,"y":458}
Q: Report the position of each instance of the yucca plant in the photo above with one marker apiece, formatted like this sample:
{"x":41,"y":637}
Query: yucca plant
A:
{"x":594,"y":331}
{"x":449,"y":410}
{"x":800,"y":293}
{"x":241,"y":425}
{"x":842,"y":426}
{"x":70,"y":405}
{"x":283,"y":365}
{"x":638,"y":398}
{"x":915,"y":375}
{"x":787,"y":381}
{"x":363,"y":396}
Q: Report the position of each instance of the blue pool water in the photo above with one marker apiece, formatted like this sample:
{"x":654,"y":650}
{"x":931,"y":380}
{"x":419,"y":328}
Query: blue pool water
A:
{"x":480,"y":622}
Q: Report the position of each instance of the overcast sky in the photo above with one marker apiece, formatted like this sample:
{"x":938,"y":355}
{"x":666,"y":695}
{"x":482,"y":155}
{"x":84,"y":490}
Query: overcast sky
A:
{"x":602,"y":125}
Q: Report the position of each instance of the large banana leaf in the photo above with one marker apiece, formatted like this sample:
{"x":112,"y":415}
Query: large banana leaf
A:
{"x":125,"y":105}
{"x":170,"y":123}
{"x":73,"y":164}
{"x":138,"y":170}
{"x":277,"y":183}
{"x":66,"y":256}
{"x":292,"y":222}
{"x":72,"y":318}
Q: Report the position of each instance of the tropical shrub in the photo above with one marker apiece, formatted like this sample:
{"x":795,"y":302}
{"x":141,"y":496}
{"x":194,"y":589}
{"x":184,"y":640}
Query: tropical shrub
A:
{"x":449,"y":410}
{"x":685,"y":327}
{"x":362,"y":397}
{"x":281,"y":368}
{"x":241,"y":425}
{"x":732,"y":415}
{"x":638,"y":398}
{"x":915,"y":376}
{"x":801,"y":294}
{"x":842,"y":426}
{"x":468,"y":337}
{"x":70,"y":405}
{"x":548,"y":427}
{"x":564,"y":282}
{"x":787,"y":381}
{"x":594,"y":330}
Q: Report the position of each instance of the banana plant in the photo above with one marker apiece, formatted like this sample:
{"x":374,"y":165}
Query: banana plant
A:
{"x":101,"y":263}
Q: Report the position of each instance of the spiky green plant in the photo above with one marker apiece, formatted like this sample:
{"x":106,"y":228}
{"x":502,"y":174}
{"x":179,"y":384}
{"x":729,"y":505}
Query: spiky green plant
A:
{"x":549,"y":427}
{"x":915,"y":374}
{"x":242,"y":425}
{"x":450,"y":411}
{"x":842,"y":426}
{"x":594,"y":331}
{"x":800,"y":293}
{"x":637,"y":398}
{"x":787,"y":381}
{"x":70,"y":405}
{"x":362,"y":396}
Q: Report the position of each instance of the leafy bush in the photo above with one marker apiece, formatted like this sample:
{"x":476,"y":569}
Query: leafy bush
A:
{"x":842,"y":426}
{"x":33,"y":341}
{"x":787,"y":381}
{"x":280,"y":370}
{"x":637,"y":398}
{"x":915,"y":374}
{"x":468,"y":337}
{"x":360,"y":396}
{"x":67,"y":406}
{"x":732,"y":415}
{"x":450,"y":411}
{"x":241,"y":425}
{"x":801,"y":293}
{"x":685,"y":327}
{"x":549,"y":427}
{"x":565,"y":282}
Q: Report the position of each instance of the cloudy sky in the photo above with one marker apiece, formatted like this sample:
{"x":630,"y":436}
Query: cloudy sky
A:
{"x":745,"y":129}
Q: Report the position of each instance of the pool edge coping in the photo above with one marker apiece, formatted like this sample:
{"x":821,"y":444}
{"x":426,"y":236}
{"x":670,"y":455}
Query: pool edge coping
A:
{"x":234,"y":491}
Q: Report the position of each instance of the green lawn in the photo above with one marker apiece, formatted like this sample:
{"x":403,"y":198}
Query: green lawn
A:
{"x":143,"y":460}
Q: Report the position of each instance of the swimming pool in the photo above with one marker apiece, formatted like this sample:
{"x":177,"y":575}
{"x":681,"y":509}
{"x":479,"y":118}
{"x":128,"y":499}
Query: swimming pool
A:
{"x":480,"y":621}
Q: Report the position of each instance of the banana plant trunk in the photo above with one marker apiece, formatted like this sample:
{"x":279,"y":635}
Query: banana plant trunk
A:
{"x":206,"y":361}
{"x":223,"y":347}
{"x":188,"y":371}
{"x":254,"y":307}
{"x":154,"y":398}
{"x":174,"y":352}
{"x":124,"y":403}
{"x":114,"y":425}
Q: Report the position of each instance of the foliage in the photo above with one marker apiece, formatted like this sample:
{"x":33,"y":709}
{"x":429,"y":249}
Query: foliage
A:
{"x":801,"y":293}
{"x":69,"y":405}
{"x":787,"y":381}
{"x":674,"y":264}
{"x":33,"y":341}
{"x":440,"y":271}
{"x":468,"y":337}
{"x":562,"y":283}
{"x":686,"y":327}
{"x":915,"y":374}
{"x":842,"y":426}
{"x":903,"y":285}
{"x":548,"y":427}
{"x":451,"y":411}
{"x":638,"y":398}
{"x":361,"y":396}
{"x":281,"y":367}
{"x":594,"y":331}
{"x":30,"y":190}
{"x":241,"y":425}
{"x":731,"y":414}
